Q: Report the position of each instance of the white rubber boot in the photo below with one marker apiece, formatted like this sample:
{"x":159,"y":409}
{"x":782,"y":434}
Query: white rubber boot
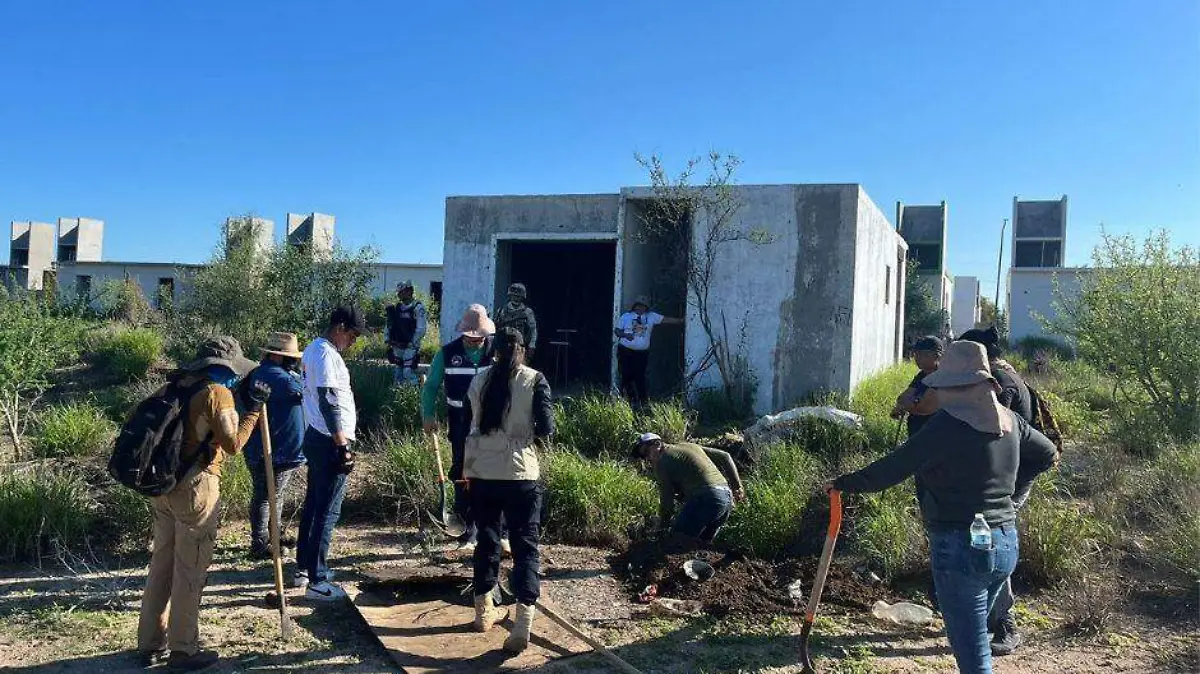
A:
{"x":487,"y":614}
{"x":518,"y":639}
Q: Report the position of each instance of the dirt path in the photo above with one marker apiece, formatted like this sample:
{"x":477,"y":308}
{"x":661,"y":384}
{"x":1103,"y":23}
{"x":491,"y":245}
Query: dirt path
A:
{"x":50,"y":622}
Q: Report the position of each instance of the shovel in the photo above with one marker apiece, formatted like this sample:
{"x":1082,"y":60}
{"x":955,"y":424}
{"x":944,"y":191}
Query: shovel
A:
{"x":264,"y":425}
{"x":835,"y":525}
{"x":450,"y":522}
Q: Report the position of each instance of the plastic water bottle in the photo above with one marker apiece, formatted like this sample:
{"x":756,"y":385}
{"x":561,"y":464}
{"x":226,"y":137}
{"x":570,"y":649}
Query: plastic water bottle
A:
{"x":902,"y":613}
{"x":981,"y":533}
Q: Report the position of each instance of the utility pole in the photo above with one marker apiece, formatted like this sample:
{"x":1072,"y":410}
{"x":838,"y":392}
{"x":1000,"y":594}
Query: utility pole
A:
{"x":999,"y":262}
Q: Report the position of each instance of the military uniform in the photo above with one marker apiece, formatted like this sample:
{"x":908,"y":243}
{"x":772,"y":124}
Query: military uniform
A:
{"x":521,"y":319}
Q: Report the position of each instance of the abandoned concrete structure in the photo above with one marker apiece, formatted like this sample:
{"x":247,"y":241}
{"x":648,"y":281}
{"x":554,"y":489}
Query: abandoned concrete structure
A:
{"x":924,"y":228}
{"x":1039,"y":244}
{"x":814,"y":305}
{"x":966,"y":310}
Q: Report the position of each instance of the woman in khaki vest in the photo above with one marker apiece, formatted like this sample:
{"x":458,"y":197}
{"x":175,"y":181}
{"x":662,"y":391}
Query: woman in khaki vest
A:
{"x":510,"y":415}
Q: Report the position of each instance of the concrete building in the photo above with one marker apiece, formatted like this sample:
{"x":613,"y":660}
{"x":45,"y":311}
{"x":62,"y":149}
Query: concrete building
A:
{"x":261,"y":231}
{"x":163,"y":284}
{"x":966,"y":310}
{"x":816,"y":303}
{"x":313,"y":231}
{"x":924,"y":228}
{"x":1039,"y":245}
{"x":31,"y":254}
{"x":426,"y":278}
{"x":80,"y":240}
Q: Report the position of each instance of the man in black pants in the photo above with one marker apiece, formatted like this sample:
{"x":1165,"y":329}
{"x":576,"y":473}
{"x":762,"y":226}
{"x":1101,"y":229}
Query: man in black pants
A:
{"x":633,"y":347}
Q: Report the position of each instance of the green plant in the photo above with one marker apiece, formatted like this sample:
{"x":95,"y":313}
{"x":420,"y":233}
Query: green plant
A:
{"x":875,"y":396}
{"x":403,"y":411}
{"x":1128,"y":316}
{"x":1033,"y":346}
{"x":374,"y":391}
{"x":118,"y":402}
{"x":669,"y":419}
{"x":127,"y":515}
{"x":922,"y":316}
{"x":129,"y":353}
{"x":592,"y":502}
{"x":40,"y":507}
{"x":33,"y":341}
{"x":74,"y":429}
{"x":595,"y":425}
{"x":1073,"y":417}
{"x":237,"y":486}
{"x":1058,"y":537}
{"x":715,"y":410}
{"x":1178,"y":543}
{"x":888,"y":530}
{"x":1090,"y":604}
{"x":777,"y":492}
{"x":122,"y":300}
{"x":402,"y":475}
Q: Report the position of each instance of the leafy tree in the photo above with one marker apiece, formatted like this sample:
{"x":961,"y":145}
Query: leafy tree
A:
{"x":33,"y":342}
{"x":990,"y":314}
{"x":1137,"y":313}
{"x":921,"y":313}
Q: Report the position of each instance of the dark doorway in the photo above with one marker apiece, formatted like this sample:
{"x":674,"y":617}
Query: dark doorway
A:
{"x":570,"y":286}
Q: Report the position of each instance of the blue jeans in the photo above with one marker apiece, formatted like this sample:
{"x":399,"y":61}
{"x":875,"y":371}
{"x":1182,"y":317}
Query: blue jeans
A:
{"x":322,"y":506}
{"x":967,"y":582}
{"x":259,"y":507}
{"x":519,"y":503}
{"x":704,"y":514}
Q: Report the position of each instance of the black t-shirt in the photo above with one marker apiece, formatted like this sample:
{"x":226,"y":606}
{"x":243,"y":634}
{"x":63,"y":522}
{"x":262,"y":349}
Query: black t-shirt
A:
{"x":1014,"y":393}
{"x":916,"y":421}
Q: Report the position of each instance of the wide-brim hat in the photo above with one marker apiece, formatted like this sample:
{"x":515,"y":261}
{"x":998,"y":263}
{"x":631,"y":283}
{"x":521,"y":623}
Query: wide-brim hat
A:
{"x":283,"y":344}
{"x":475,"y":323}
{"x":642,"y":300}
{"x":963,"y":363}
{"x":222,"y":350}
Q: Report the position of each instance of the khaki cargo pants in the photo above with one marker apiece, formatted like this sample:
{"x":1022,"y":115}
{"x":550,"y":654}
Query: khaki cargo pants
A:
{"x":185,"y":530}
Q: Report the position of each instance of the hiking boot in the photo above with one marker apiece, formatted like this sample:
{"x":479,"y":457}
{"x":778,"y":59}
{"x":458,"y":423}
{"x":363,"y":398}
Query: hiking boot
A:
{"x":518,"y":639}
{"x":487,"y":614}
{"x":258,"y":554}
{"x":182,"y":662}
{"x":324,"y":591}
{"x":1006,"y":638}
{"x":505,"y":547}
{"x":148,"y":659}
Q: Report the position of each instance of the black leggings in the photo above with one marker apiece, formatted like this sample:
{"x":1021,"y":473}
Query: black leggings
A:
{"x":632,"y":365}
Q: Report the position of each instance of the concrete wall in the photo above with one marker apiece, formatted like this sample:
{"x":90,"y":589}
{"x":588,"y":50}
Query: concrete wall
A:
{"x":473,"y":225}
{"x":146,"y":274}
{"x":388,"y":275}
{"x":313,"y":229}
{"x":259,"y":230}
{"x":876,"y":295}
{"x":1031,"y":293}
{"x":37,"y":242}
{"x":965,"y":311}
{"x":84,"y":235}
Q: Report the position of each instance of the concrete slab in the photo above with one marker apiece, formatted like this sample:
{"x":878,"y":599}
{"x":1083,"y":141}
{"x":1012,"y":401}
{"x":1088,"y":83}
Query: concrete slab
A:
{"x":424,"y":621}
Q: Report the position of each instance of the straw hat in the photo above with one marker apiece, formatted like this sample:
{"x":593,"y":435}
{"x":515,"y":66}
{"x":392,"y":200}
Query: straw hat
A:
{"x":223,"y":350}
{"x":963,"y":363}
{"x":475,"y":322}
{"x":283,"y":344}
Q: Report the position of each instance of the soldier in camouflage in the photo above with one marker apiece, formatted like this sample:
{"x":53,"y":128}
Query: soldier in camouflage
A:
{"x":517,"y":315}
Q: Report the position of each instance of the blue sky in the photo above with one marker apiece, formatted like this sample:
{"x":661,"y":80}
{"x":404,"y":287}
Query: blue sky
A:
{"x":162,"y":118}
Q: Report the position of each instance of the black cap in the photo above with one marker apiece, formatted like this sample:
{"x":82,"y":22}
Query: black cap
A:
{"x":349,"y":317}
{"x":929,"y":343}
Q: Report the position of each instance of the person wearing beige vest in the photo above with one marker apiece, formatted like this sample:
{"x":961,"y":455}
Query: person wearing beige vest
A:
{"x":510,"y":415}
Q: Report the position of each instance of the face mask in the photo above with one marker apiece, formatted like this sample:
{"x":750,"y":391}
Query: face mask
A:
{"x":219,"y":374}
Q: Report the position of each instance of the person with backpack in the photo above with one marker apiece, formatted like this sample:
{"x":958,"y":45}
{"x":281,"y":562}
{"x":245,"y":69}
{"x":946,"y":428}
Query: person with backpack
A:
{"x":406,"y":326}
{"x":279,"y":369}
{"x":511,"y":414}
{"x":186,"y":516}
{"x":332,"y":417}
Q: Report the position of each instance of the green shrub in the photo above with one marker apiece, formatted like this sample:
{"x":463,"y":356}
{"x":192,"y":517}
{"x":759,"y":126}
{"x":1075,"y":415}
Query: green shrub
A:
{"x":1058,"y":538}
{"x":403,"y":412}
{"x":1139,"y":431}
{"x":595,"y":425}
{"x":1077,"y":381}
{"x":373,"y":385}
{"x":127,"y":514}
{"x":1032,"y":347}
{"x":777,"y":492}
{"x":129,"y":353}
{"x":715,"y":410}
{"x":118,"y":402}
{"x":39,"y":508}
{"x":74,"y":429}
{"x":432,"y":342}
{"x":874,"y":398}
{"x":401,"y":476}
{"x":237,"y":487}
{"x":888,"y":530}
{"x":593,"y":502}
{"x":669,"y":419}
{"x":1074,"y":418}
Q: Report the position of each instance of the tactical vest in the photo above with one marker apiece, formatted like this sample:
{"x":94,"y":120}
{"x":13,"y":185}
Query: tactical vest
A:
{"x":402,"y":322}
{"x":518,"y":319}
{"x":459,"y":370}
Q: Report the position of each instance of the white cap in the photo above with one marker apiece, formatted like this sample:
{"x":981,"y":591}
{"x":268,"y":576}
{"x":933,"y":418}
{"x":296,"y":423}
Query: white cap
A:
{"x":647,"y":437}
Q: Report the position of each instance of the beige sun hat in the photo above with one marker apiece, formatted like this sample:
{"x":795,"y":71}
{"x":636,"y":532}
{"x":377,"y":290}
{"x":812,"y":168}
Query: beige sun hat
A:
{"x":475,"y":322}
{"x":963,"y":363}
{"x":283,"y":344}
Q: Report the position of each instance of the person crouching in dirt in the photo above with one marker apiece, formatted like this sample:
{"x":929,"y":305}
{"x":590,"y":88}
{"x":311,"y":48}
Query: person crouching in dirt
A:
{"x":918,"y":401}
{"x":1014,"y":394}
{"x":705,"y":479}
{"x":510,"y":416}
{"x":280,"y":369}
{"x":186,"y":518}
{"x":975,"y":458}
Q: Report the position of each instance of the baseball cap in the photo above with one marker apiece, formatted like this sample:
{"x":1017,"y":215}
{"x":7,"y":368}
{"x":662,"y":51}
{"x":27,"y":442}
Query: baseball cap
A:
{"x":349,"y":316}
{"x":641,"y":440}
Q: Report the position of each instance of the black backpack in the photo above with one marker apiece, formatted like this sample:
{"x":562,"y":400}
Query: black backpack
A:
{"x":146,"y":455}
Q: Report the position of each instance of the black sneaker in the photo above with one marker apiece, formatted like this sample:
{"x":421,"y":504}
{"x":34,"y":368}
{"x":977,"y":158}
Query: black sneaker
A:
{"x":148,"y":659}
{"x":180,"y":662}
{"x":259,"y":554}
{"x":1006,"y":638}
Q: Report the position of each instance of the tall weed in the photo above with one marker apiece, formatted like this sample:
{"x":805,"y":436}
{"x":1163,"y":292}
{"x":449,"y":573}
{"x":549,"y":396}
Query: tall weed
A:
{"x":669,"y":419}
{"x":888,"y":530}
{"x":237,"y":487}
{"x":593,"y":502}
{"x":373,"y":385}
{"x":874,"y":398}
{"x":74,"y":429}
{"x":777,"y":492}
{"x":595,"y":425}
{"x":40,"y":507}
{"x":129,"y":353}
{"x":402,"y":476}
{"x":1058,"y":538}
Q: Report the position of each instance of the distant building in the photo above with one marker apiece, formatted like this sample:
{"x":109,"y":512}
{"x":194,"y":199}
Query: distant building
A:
{"x":1039,"y":244}
{"x":313,"y":231}
{"x":239,"y":229}
{"x":924,"y":229}
{"x":163,"y":284}
{"x":966,"y":311}
{"x":31,"y":255}
{"x":80,"y":240}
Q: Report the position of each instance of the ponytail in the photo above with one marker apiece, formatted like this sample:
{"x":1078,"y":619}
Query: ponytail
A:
{"x":497,"y":390}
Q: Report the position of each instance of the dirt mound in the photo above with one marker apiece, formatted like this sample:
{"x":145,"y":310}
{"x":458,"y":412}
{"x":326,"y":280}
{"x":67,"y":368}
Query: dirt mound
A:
{"x":742,"y":586}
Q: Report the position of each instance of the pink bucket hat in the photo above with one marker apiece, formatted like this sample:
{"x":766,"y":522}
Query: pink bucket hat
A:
{"x":475,"y":322}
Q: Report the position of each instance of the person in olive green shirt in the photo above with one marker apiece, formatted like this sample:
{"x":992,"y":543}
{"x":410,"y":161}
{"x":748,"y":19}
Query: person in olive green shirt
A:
{"x":706,"y":481}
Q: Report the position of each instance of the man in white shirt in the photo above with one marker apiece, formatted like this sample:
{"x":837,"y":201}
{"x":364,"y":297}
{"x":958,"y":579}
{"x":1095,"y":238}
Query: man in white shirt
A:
{"x":633,"y":332}
{"x":331,"y":417}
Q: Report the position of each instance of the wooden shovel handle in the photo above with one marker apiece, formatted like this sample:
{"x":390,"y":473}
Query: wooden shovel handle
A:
{"x":264,"y":425}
